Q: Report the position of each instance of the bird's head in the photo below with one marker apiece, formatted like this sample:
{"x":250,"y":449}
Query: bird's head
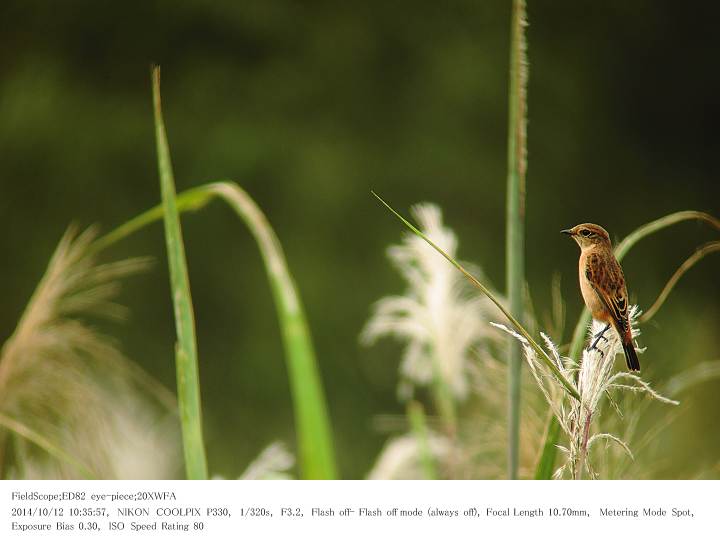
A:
{"x":588,"y":235}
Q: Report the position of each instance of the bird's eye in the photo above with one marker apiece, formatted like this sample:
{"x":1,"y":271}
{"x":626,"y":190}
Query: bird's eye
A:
{"x":585,"y":232}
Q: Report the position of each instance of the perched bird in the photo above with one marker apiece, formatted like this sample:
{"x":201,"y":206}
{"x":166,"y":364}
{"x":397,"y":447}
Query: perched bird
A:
{"x":603,"y":285}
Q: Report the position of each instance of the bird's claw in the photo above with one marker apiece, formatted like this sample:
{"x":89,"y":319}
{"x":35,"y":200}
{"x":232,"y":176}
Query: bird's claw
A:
{"x":597,"y":339}
{"x":600,"y":336}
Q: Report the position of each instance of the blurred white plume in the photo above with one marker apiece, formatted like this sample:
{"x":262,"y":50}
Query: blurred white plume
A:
{"x":400,"y":458}
{"x":273,"y":463}
{"x":438,"y":318}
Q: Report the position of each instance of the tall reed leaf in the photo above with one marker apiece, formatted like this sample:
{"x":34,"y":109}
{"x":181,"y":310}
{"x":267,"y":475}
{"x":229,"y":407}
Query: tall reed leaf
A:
{"x":314,"y":435}
{"x":515,"y":218}
{"x":186,"y":360}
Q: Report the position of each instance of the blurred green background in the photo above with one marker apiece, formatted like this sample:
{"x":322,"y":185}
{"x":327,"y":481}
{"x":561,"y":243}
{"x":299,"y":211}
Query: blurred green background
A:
{"x":311,"y":105}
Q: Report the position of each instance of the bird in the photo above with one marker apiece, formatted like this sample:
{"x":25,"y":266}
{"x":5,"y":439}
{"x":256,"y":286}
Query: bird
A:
{"x":603,"y":287}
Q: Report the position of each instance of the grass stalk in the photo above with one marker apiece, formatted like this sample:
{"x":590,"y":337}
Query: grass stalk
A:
{"x":186,"y":360}
{"x":580,"y":467}
{"x":314,"y":434}
{"x":515,"y":219}
{"x":445,"y":405}
{"x":416,"y":415}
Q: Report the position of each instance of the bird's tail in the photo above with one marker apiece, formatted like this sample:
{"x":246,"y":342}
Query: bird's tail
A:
{"x":630,"y":356}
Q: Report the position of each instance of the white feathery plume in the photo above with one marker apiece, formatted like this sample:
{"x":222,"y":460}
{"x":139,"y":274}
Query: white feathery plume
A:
{"x":595,"y":379}
{"x":437,"y":317}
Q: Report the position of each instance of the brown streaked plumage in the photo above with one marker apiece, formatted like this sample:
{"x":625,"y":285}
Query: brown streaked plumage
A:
{"x":603,"y":285}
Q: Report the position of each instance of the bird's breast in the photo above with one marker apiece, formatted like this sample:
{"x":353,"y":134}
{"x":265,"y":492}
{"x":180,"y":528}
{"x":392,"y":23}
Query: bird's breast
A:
{"x":592,"y":301}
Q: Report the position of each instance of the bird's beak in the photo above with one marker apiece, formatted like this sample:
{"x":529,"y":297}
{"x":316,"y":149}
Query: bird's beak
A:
{"x":569,"y":232}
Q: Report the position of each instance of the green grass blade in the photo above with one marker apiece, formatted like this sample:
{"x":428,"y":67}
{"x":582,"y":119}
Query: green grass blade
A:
{"x":28,"y":434}
{"x":317,"y":459}
{"x":546,"y":464}
{"x":188,"y":201}
{"x":315,"y":444}
{"x":186,"y":361}
{"x":515,"y":220}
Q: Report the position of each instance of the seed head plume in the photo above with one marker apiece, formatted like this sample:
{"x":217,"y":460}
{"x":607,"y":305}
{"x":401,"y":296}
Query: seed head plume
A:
{"x":65,"y":387}
{"x":437,"y":318}
{"x":595,"y":379}
{"x":444,"y":323}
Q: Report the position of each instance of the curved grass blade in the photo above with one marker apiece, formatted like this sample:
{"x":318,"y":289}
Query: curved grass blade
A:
{"x":691,"y":261}
{"x":315,"y":444}
{"x":186,"y":361}
{"x":190,"y":200}
{"x":317,"y":460}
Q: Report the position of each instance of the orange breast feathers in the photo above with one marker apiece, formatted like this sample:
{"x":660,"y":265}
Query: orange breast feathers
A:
{"x":592,"y":300}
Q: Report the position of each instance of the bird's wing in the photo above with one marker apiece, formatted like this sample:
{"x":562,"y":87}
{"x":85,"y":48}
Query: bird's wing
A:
{"x":608,"y":283}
